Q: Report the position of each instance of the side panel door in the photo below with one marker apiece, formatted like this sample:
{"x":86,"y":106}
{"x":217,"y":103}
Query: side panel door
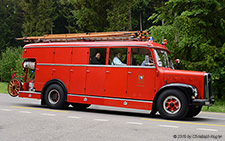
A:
{"x":44,"y":57}
{"x":95,"y":82}
{"x":116,"y":78}
{"x":141,"y":83}
{"x":78,"y":71}
{"x":61,"y":70}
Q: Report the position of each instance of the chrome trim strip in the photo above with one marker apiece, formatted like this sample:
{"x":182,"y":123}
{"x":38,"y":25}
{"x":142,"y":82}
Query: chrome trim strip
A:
{"x":30,"y":92}
{"x":83,"y":65}
{"x":112,"y":98}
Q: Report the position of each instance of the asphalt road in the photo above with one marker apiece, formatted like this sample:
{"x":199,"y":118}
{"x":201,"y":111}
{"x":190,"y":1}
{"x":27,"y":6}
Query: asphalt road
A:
{"x":25,"y":119}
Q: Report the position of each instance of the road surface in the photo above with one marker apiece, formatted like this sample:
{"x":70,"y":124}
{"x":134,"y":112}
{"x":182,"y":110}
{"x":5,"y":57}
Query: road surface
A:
{"x":25,"y":119}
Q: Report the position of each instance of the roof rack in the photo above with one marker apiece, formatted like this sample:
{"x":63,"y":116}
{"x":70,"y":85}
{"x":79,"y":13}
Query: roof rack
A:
{"x":89,"y":36}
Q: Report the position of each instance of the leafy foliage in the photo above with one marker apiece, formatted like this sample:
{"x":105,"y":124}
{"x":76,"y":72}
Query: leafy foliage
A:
{"x":11,"y":58}
{"x":38,"y":17}
{"x":10,"y":23}
{"x":193,"y":30}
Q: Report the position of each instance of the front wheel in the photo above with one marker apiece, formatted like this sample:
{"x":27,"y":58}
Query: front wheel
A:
{"x":172,"y":104}
{"x":55,"y":97}
{"x":193,"y":111}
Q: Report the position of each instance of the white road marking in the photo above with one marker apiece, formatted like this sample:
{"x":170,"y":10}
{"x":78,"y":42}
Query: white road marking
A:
{"x":72,"y":117}
{"x":170,"y":126}
{"x":205,"y":129}
{"x":25,"y":112}
{"x":36,"y":102}
{"x":215,"y":118}
{"x":134,"y":123}
{"x":101,"y":119}
{"x":6,"y":110}
{"x":45,"y":114}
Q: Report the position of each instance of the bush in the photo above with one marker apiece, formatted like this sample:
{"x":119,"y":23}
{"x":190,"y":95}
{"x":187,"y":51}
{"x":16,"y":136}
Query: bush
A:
{"x":11,"y":58}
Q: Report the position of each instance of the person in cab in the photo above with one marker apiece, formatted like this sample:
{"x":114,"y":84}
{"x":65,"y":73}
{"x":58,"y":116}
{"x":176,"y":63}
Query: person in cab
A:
{"x":117,"y":60}
{"x":148,"y":61}
{"x":96,"y":59}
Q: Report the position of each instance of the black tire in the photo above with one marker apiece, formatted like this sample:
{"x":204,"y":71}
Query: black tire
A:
{"x":153,"y":112}
{"x":79,"y":106}
{"x":193,"y":111}
{"x":55,"y":97}
{"x":172,"y":104}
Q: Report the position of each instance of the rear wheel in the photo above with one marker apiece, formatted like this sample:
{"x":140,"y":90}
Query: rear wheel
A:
{"x":55,"y":97}
{"x":172,"y":104}
{"x":193,"y":110}
{"x":79,"y":106}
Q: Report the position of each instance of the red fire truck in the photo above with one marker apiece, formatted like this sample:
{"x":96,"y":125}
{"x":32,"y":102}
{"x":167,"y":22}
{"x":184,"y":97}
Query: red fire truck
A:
{"x":130,"y":73}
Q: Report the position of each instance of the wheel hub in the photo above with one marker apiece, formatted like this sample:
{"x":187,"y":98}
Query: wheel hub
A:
{"x":171,"y":104}
{"x":54,"y":96}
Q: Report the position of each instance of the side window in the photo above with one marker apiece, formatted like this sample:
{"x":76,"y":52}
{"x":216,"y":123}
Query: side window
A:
{"x":141,"y":57}
{"x":97,"y":56}
{"x":118,"y":56}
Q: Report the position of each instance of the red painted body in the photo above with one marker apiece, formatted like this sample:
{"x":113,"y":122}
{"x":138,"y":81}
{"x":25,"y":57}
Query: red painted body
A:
{"x":108,"y":85}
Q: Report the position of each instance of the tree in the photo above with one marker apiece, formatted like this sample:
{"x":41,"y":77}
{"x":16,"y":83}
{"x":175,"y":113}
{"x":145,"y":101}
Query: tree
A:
{"x":193,"y":30}
{"x":65,"y":21}
{"x":119,"y":15}
{"x":141,"y":10}
{"x":10,"y":23}
{"x":11,"y":58}
{"x":91,"y":15}
{"x":39,"y":16}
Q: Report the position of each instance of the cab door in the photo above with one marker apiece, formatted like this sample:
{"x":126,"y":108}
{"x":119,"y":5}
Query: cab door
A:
{"x":141,"y":78}
{"x":141,"y":83}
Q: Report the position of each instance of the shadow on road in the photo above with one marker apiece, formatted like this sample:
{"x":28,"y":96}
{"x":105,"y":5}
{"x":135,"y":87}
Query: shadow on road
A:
{"x":116,"y":112}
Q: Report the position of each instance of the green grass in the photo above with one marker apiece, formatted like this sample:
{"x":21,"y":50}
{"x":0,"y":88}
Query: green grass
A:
{"x":3,"y":87}
{"x":219,"y":106}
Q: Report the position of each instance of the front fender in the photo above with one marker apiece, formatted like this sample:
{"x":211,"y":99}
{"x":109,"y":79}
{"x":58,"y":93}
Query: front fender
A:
{"x":189,"y":90}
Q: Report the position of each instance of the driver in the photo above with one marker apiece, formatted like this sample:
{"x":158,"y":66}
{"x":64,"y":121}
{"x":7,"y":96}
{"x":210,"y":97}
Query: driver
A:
{"x":148,"y":61}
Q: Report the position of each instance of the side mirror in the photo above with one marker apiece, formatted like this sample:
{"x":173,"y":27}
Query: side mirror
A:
{"x":177,"y":61}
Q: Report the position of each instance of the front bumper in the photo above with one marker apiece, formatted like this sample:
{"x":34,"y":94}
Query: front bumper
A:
{"x":203,"y":102}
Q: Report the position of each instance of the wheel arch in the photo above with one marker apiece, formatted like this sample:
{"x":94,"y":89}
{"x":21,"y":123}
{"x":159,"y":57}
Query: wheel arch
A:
{"x":50,"y":82}
{"x":188,"y":91}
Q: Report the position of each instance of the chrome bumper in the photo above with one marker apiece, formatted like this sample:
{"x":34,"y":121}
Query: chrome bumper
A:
{"x":203,"y":102}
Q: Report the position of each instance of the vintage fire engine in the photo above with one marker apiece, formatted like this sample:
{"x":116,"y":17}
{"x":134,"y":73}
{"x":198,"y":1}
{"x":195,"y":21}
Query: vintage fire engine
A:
{"x":121,"y":69}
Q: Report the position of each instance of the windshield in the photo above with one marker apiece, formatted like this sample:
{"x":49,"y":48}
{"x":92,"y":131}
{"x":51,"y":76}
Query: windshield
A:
{"x":162,"y":58}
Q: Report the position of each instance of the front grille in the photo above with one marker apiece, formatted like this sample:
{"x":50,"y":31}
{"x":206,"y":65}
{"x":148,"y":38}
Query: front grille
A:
{"x":208,"y":85}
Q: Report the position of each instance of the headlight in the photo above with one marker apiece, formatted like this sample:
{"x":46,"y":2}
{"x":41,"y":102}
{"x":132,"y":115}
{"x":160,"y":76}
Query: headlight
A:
{"x":195,"y":92}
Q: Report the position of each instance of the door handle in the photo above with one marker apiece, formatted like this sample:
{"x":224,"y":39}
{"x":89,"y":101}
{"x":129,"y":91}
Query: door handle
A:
{"x":87,"y":71}
{"x":129,"y":72}
{"x":107,"y":71}
{"x":71,"y":70}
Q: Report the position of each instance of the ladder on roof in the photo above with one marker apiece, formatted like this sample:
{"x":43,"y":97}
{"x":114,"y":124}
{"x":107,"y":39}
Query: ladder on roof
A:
{"x":89,"y":36}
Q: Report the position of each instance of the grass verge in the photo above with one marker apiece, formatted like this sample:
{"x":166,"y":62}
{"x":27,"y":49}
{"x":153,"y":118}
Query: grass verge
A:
{"x":3,"y":87}
{"x":219,"y":106}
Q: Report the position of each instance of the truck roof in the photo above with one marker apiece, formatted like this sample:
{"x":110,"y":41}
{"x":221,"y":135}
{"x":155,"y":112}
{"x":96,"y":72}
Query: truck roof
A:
{"x":149,"y":44}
